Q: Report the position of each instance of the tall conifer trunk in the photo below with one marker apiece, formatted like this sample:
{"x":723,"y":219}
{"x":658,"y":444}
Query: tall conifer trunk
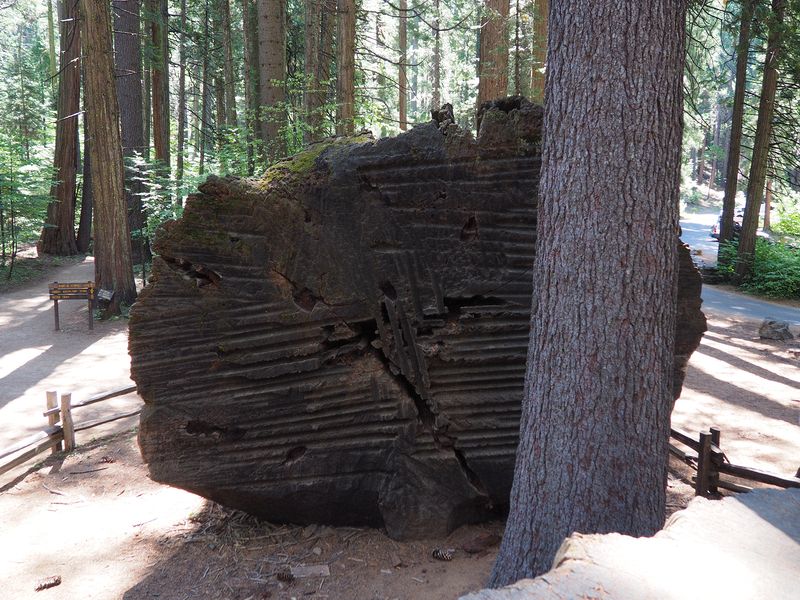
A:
{"x":230,"y":81}
{"x":594,"y":430}
{"x":541,"y":9}
{"x":735,"y":142}
{"x":160,"y":82}
{"x":58,"y":235}
{"x":113,"y":268}
{"x":272,"y":69}
{"x":251,"y":87}
{"x":345,"y":82}
{"x":312,"y":99}
{"x":128,"y":62}
{"x":402,"y":101}
{"x":758,"y":164}
{"x":493,"y":80}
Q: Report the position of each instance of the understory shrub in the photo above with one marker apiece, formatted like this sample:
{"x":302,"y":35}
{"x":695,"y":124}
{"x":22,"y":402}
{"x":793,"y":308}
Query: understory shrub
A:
{"x":776,"y":269}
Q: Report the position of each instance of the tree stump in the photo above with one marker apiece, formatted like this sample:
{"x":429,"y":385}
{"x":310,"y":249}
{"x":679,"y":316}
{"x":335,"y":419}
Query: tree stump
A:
{"x":343,"y":341}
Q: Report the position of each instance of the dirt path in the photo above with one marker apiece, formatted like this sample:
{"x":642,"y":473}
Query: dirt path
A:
{"x":95,"y":519}
{"x":34,"y":358}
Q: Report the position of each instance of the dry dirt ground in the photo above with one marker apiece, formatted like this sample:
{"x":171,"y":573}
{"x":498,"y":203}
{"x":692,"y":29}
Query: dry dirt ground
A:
{"x":94,"y":519}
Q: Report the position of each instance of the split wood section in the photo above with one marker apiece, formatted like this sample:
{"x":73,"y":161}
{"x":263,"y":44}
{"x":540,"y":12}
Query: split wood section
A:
{"x":72,"y":291}
{"x":61,"y":427}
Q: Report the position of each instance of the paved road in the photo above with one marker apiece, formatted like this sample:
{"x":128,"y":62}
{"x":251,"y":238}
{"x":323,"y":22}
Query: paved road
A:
{"x":695,"y":232}
{"x":731,"y":303}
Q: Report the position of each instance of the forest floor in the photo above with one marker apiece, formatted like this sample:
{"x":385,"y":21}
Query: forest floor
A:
{"x":95,"y":519}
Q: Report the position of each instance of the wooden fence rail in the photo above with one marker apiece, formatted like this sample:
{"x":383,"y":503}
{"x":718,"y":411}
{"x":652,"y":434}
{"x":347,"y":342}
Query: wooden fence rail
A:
{"x":710,"y":461}
{"x":61,"y":427}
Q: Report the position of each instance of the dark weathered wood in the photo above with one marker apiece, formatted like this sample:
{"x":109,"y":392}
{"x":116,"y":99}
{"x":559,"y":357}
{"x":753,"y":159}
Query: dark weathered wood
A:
{"x":30,"y":440}
{"x":46,"y":442}
{"x":703,"y":465}
{"x":104,"y":420}
{"x":684,"y":439}
{"x":67,"y":425}
{"x":120,"y":391}
{"x":344,"y":340}
{"x":52,"y":414}
{"x":713,"y":478}
{"x":760,"y":476}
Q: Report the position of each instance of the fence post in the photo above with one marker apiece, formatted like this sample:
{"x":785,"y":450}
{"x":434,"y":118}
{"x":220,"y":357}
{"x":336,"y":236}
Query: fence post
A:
{"x":67,"y":424}
{"x":703,"y":465}
{"x":52,"y":418}
{"x":713,"y":476}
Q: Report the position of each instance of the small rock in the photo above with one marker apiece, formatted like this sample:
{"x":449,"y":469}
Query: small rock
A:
{"x":316,"y":550}
{"x":386,"y":571}
{"x":772,"y":329}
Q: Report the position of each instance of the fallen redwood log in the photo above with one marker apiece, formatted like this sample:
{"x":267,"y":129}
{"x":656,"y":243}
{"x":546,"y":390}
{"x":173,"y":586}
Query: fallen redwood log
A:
{"x":344,"y":340}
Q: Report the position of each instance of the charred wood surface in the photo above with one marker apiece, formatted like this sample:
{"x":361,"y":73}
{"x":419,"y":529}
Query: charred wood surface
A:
{"x":344,"y":340}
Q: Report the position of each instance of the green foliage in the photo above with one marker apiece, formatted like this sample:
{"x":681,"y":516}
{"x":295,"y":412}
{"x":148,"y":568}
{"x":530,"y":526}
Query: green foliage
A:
{"x":788,"y":225}
{"x":776,"y":269}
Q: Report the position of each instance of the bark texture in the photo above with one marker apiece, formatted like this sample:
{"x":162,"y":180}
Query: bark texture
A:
{"x":346,"y":63}
{"x":58,"y":234}
{"x":760,"y":157}
{"x":113,"y":269}
{"x":343,"y":340}
{"x":160,"y":81}
{"x":250,"y":78}
{"x":311,"y":94}
{"x":229,"y":80}
{"x":272,"y":69}
{"x":599,"y":386}
{"x":541,"y":9}
{"x":402,"y":76}
{"x":127,"y":58}
{"x":493,"y":63}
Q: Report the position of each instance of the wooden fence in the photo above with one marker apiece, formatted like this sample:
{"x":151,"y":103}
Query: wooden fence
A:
{"x":61,"y":427}
{"x":710,"y":461}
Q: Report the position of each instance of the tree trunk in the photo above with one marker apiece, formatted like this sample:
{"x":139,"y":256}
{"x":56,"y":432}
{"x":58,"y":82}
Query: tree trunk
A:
{"x":598,"y":392}
{"x":85,"y":223}
{"x":735,"y":143}
{"x":767,"y":205}
{"x":204,"y":101}
{"x":147,"y":112}
{"x":758,"y":164}
{"x":250,"y":79}
{"x":58,"y":235}
{"x":51,"y":50}
{"x":127,"y":56}
{"x":345,"y":82}
{"x":701,"y":160}
{"x":493,"y":79}
{"x":311,"y":96}
{"x":113,"y":269}
{"x":712,"y":179}
{"x":436,"y":94}
{"x":181,"y":108}
{"x":539,"y":51}
{"x":272,"y":70}
{"x":402,"y":78}
{"x":517,"y":86}
{"x":160,"y":83}
{"x":230,"y":81}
